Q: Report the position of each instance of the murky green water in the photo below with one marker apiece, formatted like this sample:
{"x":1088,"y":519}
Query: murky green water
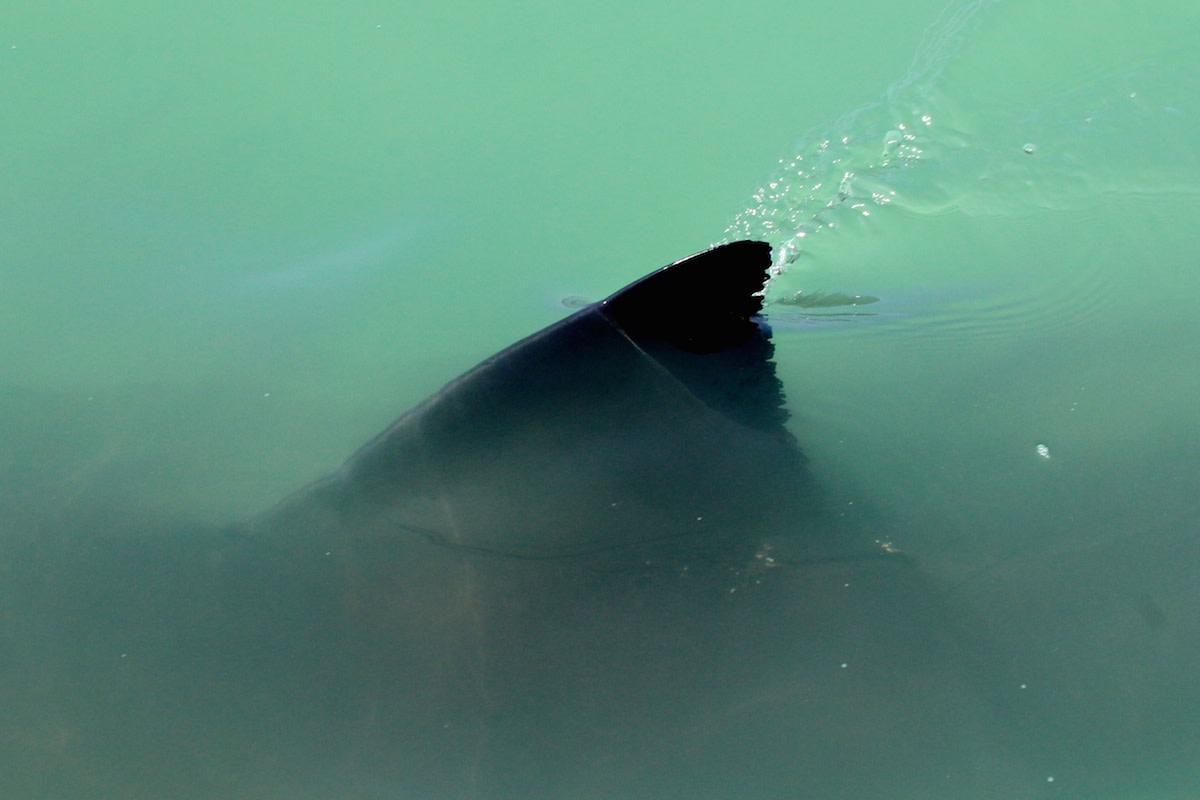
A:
{"x":236,"y":241}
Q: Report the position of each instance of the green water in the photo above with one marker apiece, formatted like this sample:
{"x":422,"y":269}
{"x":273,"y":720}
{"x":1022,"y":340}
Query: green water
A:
{"x":345,"y":207}
{"x":237,"y":240}
{"x":297,"y":221}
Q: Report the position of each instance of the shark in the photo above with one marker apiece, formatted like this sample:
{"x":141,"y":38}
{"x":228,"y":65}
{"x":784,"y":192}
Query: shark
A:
{"x":596,"y":565}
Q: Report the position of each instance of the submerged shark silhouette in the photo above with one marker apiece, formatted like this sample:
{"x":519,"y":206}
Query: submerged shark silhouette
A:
{"x":594,"y":566}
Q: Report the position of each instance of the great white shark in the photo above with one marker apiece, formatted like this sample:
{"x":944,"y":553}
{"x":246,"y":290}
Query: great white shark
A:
{"x":597,"y":565}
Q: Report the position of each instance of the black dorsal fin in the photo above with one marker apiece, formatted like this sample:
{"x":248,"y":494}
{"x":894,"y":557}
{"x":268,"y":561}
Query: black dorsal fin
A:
{"x":702,"y":304}
{"x":616,"y":430}
{"x":699,"y":318}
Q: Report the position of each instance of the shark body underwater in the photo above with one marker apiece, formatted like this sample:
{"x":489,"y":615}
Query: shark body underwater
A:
{"x":597,"y":565}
